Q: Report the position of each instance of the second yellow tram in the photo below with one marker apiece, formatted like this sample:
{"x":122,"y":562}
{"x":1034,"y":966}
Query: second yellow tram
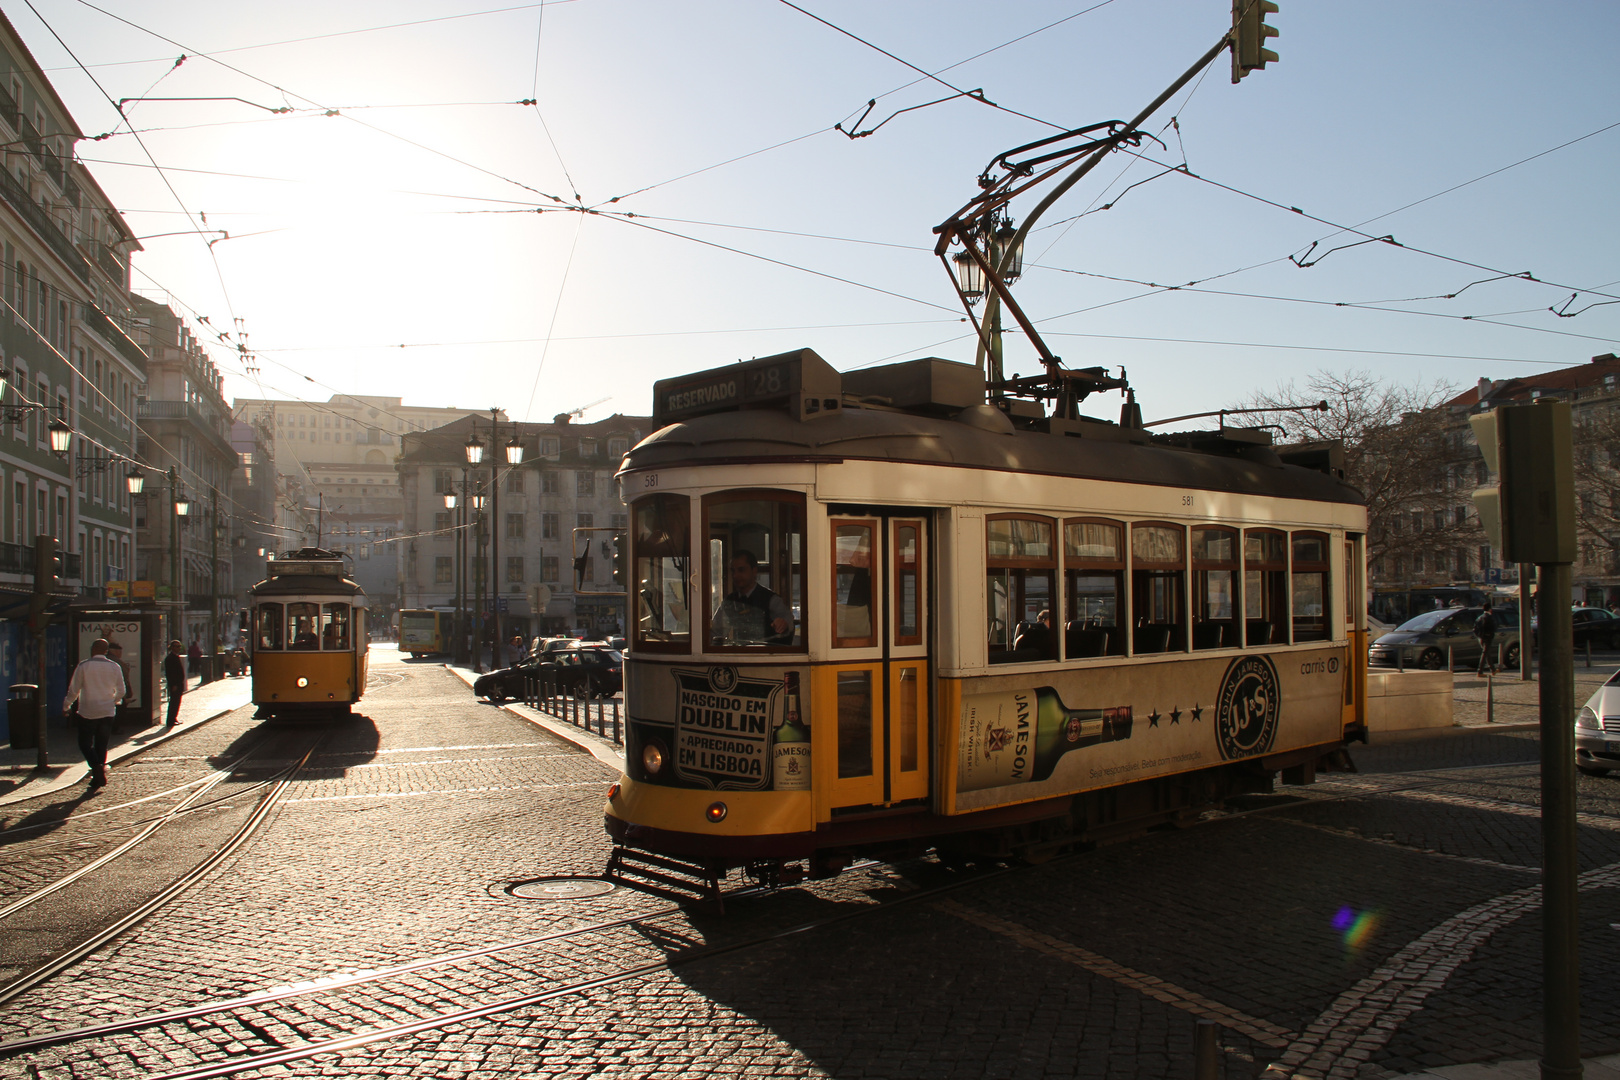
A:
{"x":309,"y":637}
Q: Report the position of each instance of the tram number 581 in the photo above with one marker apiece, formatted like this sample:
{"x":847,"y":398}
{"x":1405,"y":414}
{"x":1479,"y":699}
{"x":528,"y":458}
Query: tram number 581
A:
{"x":1186,"y":500}
{"x":650,"y":480}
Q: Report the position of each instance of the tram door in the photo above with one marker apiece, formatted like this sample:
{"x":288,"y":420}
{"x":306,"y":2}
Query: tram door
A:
{"x":879,"y":674}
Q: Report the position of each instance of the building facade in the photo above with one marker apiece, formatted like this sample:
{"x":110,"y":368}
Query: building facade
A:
{"x":559,"y":505}
{"x":1434,"y":537}
{"x":64,"y":331}
{"x":185,"y":429}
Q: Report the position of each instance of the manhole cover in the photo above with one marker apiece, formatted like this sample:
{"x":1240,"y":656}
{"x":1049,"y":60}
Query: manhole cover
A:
{"x":560,"y":888}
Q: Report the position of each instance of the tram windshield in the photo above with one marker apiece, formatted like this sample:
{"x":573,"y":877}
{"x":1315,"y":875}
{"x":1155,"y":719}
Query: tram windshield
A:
{"x":755,"y":569}
{"x":305,"y":627}
{"x":335,"y":629}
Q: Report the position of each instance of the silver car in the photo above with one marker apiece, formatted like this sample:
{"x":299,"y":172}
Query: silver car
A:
{"x":1597,"y":730}
{"x":1426,"y":640}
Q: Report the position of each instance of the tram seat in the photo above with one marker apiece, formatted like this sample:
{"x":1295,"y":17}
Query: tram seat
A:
{"x":1260,"y":632}
{"x":1209,"y":635}
{"x":1080,"y":642}
{"x":1153,"y":638}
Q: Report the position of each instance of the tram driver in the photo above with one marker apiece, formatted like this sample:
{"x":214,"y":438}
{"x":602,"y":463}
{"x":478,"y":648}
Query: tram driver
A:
{"x":750,"y":614}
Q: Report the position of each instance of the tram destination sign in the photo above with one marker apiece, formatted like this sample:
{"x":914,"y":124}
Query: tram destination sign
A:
{"x":801,"y":382}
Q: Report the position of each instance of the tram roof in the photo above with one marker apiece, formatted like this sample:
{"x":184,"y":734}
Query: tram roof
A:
{"x":982,"y":438}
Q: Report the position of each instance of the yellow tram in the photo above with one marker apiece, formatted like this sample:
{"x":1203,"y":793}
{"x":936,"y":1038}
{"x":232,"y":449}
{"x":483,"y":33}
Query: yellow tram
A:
{"x":838,"y":646}
{"x":309,"y":637}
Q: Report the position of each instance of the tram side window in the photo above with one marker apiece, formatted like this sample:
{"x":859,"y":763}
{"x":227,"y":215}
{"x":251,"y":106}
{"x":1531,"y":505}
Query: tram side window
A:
{"x":754,"y":569}
{"x":1265,"y":589}
{"x":1215,"y":571}
{"x":852,"y":584}
{"x":269,"y":634}
{"x":663,"y":542}
{"x":1158,"y":588}
{"x":1020,"y":567}
{"x":303,"y":626}
{"x":1094,"y":587}
{"x":1310,"y":586}
{"x":335,"y":628}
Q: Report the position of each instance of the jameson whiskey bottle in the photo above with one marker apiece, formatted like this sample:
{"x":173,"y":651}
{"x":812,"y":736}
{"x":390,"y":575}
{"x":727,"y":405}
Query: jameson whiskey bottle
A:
{"x":1018,"y":736}
{"x":790,"y":750}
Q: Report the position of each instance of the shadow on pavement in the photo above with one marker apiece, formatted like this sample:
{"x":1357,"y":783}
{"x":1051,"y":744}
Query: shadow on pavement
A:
{"x":44,"y":820}
{"x":1443,"y":748}
{"x":349,"y":741}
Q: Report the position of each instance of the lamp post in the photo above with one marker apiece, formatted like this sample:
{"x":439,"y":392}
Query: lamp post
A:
{"x":480,"y":573}
{"x":1006,"y":253}
{"x":180,"y":507}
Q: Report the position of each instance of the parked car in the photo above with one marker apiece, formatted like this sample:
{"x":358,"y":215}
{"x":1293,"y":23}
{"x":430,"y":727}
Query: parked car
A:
{"x":1423,"y":642}
{"x":1595,"y":627}
{"x":1597,"y":730}
{"x":506,"y":682}
{"x":598,"y":672}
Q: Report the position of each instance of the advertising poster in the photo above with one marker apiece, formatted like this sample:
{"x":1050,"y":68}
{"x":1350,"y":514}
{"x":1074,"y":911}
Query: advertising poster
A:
{"x":1034,"y":736}
{"x":126,"y":632}
{"x":723,"y":727}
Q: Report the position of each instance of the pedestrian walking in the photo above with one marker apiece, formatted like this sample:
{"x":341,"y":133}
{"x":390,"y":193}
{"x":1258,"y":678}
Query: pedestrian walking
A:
{"x":174,"y":681}
{"x":515,"y":650}
{"x":195,"y":656}
{"x":1485,"y":631}
{"x":93,"y":694}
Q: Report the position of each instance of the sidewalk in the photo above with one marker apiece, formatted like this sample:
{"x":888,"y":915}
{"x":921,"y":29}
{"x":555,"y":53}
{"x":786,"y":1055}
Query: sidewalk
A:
{"x":19,"y":779}
{"x":1518,"y":701}
{"x":1595,"y":1068}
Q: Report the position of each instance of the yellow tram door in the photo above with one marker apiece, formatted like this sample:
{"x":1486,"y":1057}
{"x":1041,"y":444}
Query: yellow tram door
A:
{"x":878,"y":677}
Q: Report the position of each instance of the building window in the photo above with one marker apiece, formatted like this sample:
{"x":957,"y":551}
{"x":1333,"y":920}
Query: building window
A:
{"x":548,"y":568}
{"x":584,"y":521}
{"x":548,"y":482}
{"x":442,"y":482}
{"x":514,"y":526}
{"x":617,"y":448}
{"x":548,"y":526}
{"x":514,"y":568}
{"x":514,"y":481}
{"x":441,"y":521}
{"x":443,"y":569}
{"x":621,"y":522}
{"x":587,"y":448}
{"x":550,"y":446}
{"x":585,"y":483}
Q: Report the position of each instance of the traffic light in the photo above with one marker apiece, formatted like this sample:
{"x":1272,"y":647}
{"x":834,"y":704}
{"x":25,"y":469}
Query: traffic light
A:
{"x":1249,"y":34}
{"x":47,"y":564}
{"x":1529,"y":512}
{"x":621,"y":560}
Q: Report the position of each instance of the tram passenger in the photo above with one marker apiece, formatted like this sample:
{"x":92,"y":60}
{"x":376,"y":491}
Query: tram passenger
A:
{"x":751,"y":614}
{"x":1038,"y":638}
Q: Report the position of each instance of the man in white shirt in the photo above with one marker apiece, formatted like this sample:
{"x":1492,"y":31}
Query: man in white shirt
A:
{"x":98,"y":686}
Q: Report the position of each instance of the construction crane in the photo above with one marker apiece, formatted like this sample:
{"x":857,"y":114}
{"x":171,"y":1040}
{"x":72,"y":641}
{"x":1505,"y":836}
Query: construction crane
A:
{"x":574,"y":414}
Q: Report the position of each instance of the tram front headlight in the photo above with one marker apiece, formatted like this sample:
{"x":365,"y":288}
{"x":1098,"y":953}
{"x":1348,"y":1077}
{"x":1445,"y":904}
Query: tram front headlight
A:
{"x":652,"y":758}
{"x":302,"y":682}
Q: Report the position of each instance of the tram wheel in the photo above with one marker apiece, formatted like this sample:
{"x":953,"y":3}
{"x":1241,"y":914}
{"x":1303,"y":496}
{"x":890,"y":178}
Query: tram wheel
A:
{"x":1432,"y":660}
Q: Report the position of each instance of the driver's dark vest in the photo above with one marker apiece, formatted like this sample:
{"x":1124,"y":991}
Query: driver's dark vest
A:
{"x":751,"y":615}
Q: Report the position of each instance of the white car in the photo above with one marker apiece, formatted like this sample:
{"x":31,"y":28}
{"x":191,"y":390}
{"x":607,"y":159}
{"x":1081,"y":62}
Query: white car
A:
{"x":1597,"y":730}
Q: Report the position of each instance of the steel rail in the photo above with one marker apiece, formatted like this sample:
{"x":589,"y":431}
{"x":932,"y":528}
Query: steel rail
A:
{"x":45,"y":971}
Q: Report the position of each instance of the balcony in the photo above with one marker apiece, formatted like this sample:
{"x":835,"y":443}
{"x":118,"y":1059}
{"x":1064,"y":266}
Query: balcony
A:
{"x":110,"y":333}
{"x":8,"y":109}
{"x":185,"y":410}
{"x":19,"y":559}
{"x":11,"y":190}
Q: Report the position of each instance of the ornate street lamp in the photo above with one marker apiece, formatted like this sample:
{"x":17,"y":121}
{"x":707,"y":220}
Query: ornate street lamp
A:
{"x":475,"y":451}
{"x":182,"y":505}
{"x":61,"y":438}
{"x":450,"y":500}
{"x":969,"y":275}
{"x":514,"y":451}
{"x":135,"y":480}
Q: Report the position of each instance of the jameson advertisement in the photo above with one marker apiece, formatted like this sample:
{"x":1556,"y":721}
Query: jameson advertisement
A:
{"x":723,"y":728}
{"x":1103,"y":726}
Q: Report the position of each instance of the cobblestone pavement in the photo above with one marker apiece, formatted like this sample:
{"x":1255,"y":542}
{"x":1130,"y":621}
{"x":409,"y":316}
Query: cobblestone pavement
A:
{"x":1375,"y":923}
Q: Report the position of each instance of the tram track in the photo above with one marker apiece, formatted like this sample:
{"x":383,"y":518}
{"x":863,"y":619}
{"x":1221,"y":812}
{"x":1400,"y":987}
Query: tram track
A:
{"x":62,"y":961}
{"x":348,"y":1041}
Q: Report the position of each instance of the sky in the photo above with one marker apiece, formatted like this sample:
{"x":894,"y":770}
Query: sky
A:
{"x":677,"y":196}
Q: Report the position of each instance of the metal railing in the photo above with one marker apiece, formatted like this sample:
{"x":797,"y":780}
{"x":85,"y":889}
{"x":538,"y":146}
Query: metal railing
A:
{"x":111,"y":333}
{"x":540,"y":691}
{"x":14,"y":194}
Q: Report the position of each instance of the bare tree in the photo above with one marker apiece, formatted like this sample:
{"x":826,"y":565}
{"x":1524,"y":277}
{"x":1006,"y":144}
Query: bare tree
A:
{"x":1597,"y":483}
{"x":1403,"y":449}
